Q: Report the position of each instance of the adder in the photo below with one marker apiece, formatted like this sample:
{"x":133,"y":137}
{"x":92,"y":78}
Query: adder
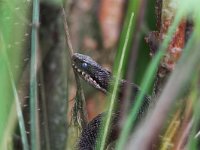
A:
{"x":100,"y":79}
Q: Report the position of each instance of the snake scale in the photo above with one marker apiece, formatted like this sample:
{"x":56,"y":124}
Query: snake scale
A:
{"x":101,"y":78}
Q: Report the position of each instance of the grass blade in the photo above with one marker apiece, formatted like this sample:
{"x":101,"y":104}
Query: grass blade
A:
{"x":10,"y":58}
{"x":33,"y":78}
{"x":118,"y":73}
{"x":147,"y":81}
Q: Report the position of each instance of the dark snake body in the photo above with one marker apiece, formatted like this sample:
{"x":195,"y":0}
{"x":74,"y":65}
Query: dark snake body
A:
{"x":100,"y":78}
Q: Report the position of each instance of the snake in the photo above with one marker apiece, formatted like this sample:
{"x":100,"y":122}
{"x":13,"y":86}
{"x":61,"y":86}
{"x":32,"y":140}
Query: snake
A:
{"x":100,"y":78}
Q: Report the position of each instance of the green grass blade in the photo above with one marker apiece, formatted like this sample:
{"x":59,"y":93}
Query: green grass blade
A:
{"x":20,"y":115}
{"x":33,"y":78}
{"x":17,"y":102}
{"x":115,"y":88}
{"x":120,"y":62}
{"x":11,"y":48}
{"x":147,"y":81}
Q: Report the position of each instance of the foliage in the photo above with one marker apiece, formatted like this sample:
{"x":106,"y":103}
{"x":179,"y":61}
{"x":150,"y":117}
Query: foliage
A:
{"x":14,"y":21}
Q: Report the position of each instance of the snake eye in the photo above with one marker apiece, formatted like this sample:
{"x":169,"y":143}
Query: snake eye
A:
{"x":84,"y":65}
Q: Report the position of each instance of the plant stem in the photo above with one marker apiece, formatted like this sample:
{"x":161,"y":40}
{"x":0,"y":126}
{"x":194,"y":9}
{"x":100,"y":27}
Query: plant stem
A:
{"x":33,"y":79}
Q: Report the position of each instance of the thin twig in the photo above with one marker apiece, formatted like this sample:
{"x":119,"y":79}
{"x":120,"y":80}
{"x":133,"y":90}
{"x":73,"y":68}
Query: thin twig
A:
{"x":71,"y":51}
{"x":80,"y":105}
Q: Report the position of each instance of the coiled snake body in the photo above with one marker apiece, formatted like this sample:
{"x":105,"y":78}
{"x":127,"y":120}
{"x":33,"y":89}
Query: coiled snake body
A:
{"x":100,"y":78}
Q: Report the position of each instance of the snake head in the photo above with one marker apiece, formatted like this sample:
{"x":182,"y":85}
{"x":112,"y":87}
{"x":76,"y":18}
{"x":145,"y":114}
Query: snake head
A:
{"x":91,"y":72}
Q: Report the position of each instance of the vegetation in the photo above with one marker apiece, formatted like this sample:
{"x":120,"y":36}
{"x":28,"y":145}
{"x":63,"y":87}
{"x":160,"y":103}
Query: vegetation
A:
{"x":159,"y":51}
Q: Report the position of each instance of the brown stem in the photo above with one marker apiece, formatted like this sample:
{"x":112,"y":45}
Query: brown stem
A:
{"x":80,"y":106}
